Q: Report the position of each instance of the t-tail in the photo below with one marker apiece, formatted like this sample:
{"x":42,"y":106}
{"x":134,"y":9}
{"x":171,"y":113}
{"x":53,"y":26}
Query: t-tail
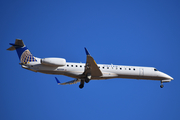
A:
{"x":24,"y":54}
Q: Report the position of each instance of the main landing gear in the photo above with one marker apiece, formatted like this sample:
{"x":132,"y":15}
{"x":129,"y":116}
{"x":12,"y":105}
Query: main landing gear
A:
{"x":87,"y":79}
{"x":81,"y":84}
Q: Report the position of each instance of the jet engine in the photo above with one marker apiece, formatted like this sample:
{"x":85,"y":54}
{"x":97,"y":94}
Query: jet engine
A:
{"x":53,"y":61}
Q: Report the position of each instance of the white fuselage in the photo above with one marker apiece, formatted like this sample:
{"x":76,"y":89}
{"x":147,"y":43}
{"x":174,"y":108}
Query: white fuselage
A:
{"x":83,"y":72}
{"x":75,"y":70}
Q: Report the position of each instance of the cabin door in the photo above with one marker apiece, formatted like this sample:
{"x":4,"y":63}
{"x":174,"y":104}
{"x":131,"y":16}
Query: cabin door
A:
{"x":141,"y":71}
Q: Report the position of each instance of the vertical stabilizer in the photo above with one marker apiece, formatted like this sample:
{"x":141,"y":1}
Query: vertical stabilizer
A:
{"x":24,"y":54}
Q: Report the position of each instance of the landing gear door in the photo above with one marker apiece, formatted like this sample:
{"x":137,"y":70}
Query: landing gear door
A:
{"x":141,"y":72}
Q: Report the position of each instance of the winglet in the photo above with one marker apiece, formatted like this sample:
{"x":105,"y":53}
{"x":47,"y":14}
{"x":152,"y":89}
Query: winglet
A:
{"x":87,"y":53}
{"x":57,"y":81}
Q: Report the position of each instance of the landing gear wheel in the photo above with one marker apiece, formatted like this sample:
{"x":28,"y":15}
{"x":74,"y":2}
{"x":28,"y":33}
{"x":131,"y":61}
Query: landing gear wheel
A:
{"x":87,"y":80}
{"x":81,"y":86}
{"x":161,"y":86}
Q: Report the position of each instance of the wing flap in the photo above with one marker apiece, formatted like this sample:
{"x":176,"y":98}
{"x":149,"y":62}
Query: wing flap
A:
{"x":69,"y":82}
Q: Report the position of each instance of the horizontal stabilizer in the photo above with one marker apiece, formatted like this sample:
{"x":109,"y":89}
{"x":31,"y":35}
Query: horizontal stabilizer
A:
{"x":11,"y":48}
{"x":18,"y":43}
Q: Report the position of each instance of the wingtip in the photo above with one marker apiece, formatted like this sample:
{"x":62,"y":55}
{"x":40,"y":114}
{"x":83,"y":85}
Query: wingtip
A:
{"x":87,"y":53}
{"x":57,"y":81}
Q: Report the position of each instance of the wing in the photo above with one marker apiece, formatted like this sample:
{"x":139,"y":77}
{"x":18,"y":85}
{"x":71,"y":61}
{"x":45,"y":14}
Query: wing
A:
{"x":69,"y":82}
{"x":91,"y":67}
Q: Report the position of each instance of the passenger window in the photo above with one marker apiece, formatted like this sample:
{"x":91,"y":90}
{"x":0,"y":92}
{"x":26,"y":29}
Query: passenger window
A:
{"x":129,"y":68}
{"x":103,"y":67}
{"x":107,"y":67}
{"x":71,"y":65}
{"x":134,"y":69}
{"x":80,"y":65}
{"x":120,"y":68}
{"x":76,"y":66}
{"x":67,"y":65}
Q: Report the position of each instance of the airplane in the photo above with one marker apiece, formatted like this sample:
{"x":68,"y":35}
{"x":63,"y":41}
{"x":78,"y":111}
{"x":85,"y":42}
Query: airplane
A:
{"x":84,"y":72}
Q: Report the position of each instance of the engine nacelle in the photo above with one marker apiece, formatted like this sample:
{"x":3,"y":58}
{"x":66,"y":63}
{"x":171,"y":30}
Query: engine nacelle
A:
{"x":53,"y":61}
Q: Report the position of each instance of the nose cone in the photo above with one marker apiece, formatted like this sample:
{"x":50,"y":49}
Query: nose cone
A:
{"x":165,"y":76}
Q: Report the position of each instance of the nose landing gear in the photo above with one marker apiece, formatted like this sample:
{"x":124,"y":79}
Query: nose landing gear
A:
{"x":161,"y":86}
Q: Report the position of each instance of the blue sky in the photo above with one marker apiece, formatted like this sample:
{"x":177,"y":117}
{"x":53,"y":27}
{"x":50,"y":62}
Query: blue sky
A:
{"x":138,"y":33}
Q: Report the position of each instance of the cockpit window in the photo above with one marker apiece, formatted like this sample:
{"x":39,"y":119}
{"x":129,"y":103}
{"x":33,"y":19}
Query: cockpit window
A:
{"x":155,"y":69}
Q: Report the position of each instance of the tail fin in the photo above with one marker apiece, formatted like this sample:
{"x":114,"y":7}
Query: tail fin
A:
{"x":24,"y":54}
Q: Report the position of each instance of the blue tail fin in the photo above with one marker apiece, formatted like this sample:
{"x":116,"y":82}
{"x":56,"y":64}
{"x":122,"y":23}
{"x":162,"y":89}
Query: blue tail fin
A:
{"x":24,"y":54}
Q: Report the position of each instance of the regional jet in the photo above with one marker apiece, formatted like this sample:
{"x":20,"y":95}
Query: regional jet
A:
{"x":84,"y":72}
